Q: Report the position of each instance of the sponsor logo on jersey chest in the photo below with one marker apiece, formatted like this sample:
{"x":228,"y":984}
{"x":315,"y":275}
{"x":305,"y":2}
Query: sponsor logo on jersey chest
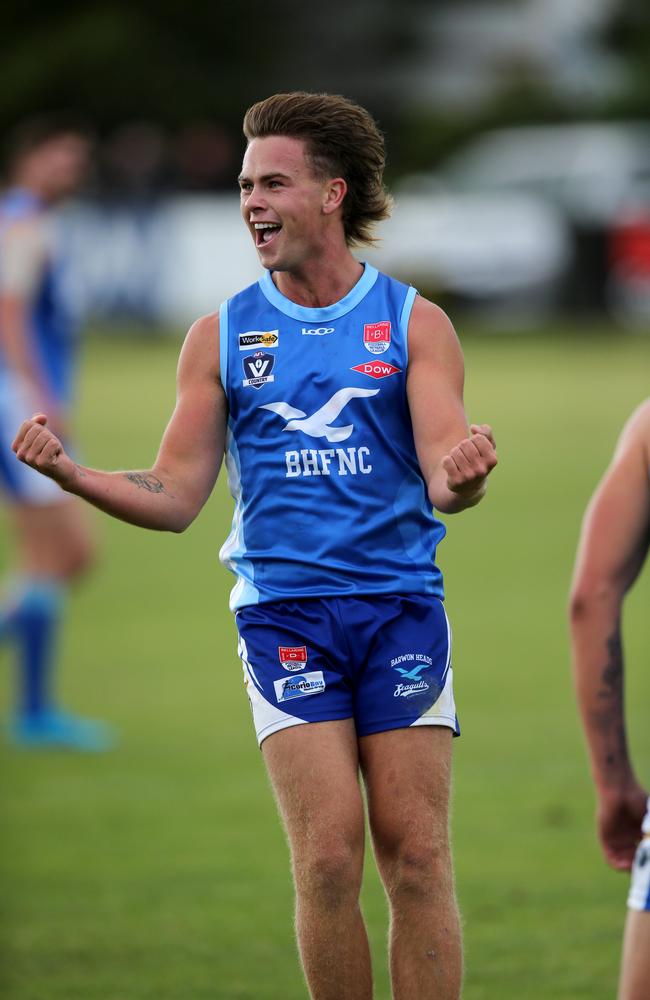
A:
{"x":317,"y":331}
{"x":376,"y":337}
{"x":257,"y":369}
{"x":293,"y":657}
{"x":376,"y":369}
{"x":258,"y":338}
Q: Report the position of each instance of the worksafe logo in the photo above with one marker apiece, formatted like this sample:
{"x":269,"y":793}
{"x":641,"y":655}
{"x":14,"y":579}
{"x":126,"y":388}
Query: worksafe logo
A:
{"x":258,"y":338}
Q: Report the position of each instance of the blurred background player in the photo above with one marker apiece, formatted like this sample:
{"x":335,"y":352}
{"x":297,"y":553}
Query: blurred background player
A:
{"x":47,"y":161}
{"x":614,"y":544}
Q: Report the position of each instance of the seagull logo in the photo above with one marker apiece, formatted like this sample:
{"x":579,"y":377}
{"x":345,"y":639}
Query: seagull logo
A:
{"x":319,"y":424}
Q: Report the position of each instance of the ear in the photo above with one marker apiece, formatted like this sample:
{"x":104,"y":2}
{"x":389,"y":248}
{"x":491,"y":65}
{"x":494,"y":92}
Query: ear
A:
{"x":333,"y":194}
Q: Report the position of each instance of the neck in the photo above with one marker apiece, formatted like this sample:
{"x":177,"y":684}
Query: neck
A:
{"x":320,"y":283}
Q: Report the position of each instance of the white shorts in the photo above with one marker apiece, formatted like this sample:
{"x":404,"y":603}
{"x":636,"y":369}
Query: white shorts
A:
{"x":18,"y":481}
{"x":639,"y":895}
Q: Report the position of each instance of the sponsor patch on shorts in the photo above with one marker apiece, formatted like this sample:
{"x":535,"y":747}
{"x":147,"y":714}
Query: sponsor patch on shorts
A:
{"x":288,"y":688}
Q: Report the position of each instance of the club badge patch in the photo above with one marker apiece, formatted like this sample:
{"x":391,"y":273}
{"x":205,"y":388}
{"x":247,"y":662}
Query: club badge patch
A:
{"x":293,"y":657}
{"x":258,"y":338}
{"x":376,"y":369}
{"x":257,"y":369}
{"x":376,"y":337}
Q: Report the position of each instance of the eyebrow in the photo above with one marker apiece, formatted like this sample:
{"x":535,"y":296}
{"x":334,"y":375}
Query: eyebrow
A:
{"x":266,"y":177}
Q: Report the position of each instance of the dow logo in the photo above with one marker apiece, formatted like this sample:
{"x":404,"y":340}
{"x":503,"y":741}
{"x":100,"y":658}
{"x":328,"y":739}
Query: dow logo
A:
{"x":376,"y":369}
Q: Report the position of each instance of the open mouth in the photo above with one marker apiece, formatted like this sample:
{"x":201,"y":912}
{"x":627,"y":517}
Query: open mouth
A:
{"x":265,"y":232}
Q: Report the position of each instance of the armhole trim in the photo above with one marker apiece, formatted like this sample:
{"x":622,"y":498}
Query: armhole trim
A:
{"x":405,"y":315}
{"x":223,"y":345}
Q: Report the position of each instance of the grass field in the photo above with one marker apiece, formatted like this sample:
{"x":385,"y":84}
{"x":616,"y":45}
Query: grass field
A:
{"x":160,"y":871}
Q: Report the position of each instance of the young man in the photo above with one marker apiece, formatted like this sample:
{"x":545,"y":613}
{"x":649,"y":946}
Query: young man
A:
{"x":613,"y":547}
{"x":48,"y":160}
{"x":337,"y":395}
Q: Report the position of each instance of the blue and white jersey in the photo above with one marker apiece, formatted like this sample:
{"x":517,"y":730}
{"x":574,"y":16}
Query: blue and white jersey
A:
{"x":329,"y":496}
{"x":31,"y":267}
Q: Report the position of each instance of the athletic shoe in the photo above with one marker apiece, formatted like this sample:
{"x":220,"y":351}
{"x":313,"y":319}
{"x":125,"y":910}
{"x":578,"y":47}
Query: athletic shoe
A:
{"x":58,"y":730}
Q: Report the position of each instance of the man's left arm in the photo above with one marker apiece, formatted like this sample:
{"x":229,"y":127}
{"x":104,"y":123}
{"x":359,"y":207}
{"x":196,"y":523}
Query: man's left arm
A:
{"x":613,"y":546}
{"x":455,"y":460}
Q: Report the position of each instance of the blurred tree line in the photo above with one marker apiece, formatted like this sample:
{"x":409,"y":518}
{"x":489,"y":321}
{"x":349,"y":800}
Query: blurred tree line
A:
{"x":172,"y":63}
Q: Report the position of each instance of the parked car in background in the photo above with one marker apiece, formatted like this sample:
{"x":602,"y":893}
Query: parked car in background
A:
{"x":539,"y":205}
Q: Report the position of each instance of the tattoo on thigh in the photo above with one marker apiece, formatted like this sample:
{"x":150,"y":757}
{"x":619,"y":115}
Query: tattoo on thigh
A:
{"x":146,"y":481}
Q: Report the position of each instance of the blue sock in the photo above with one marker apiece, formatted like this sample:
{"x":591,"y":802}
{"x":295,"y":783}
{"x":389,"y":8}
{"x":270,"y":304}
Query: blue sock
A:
{"x":10,"y":600}
{"x":31,"y":615}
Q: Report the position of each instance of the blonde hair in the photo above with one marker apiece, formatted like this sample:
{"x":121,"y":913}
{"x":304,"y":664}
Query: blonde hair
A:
{"x":342,"y":140}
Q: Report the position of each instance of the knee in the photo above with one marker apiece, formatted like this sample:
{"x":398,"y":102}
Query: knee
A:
{"x":330,"y":874}
{"x":417,"y":869}
{"x":77,"y":558}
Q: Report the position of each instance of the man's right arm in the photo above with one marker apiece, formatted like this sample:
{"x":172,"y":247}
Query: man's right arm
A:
{"x":613,"y":547}
{"x":169,"y":495}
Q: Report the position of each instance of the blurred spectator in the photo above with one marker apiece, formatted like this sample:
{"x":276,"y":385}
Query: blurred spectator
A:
{"x":206,"y":157}
{"x":136,"y":160}
{"x":48,"y":159}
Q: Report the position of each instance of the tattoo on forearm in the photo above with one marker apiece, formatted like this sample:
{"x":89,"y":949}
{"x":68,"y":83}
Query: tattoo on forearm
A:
{"x":80,"y":472}
{"x":610,"y":719}
{"x":147,"y":481}
{"x":612,"y":675}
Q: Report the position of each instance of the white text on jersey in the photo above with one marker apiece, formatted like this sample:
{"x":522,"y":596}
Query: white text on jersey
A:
{"x":327,"y":462}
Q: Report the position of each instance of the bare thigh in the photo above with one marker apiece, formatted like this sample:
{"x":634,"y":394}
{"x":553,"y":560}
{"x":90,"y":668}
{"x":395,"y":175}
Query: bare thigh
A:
{"x":635,"y":970}
{"x":408,"y":775}
{"x":314,"y":773}
{"x":52,"y":539}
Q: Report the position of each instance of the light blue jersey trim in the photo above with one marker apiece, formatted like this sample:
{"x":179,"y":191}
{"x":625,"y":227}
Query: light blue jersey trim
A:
{"x":405,"y":317}
{"x":223,"y":345}
{"x":234,"y":548}
{"x":326,"y":313}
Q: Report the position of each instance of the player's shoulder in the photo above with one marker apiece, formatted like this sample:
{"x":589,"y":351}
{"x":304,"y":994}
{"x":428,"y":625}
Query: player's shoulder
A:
{"x":431,"y":332}
{"x":635,"y":436}
{"x":205,"y":327}
{"x":29,"y":231}
{"x":200,"y":351}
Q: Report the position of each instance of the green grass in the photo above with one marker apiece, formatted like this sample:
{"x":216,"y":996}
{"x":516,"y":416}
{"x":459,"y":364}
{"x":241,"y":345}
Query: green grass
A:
{"x":160,"y":870}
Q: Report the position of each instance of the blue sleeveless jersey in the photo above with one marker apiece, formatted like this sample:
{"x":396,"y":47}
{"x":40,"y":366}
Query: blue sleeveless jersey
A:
{"x":51,"y":329}
{"x":329,"y":496}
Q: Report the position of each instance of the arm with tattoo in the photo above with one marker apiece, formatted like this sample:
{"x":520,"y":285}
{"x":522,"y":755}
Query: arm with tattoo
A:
{"x":168,"y":496}
{"x":613,"y":546}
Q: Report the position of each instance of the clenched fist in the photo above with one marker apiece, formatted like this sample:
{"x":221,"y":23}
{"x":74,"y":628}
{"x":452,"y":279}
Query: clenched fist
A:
{"x":470,"y":462}
{"x":37,"y":446}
